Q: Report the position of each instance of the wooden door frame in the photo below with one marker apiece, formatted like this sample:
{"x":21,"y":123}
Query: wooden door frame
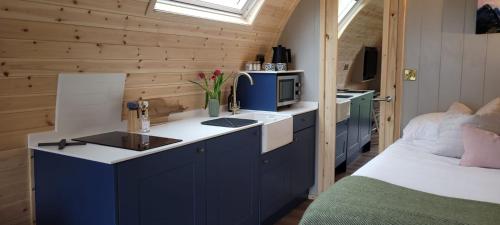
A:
{"x":327,"y":93}
{"x":392,"y":67}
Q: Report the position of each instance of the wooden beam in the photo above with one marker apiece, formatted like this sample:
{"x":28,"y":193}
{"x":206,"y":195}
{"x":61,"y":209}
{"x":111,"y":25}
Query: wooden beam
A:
{"x":328,"y":92}
{"x":398,"y":114}
{"x":392,"y":67}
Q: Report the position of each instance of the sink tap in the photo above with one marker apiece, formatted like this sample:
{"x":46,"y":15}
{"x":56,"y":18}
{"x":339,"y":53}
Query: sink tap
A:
{"x":235,"y":107}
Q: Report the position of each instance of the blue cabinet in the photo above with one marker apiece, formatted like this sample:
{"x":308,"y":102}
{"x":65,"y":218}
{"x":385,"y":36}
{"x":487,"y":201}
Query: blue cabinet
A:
{"x":71,"y":191}
{"x":341,"y":143}
{"x":287,"y":173}
{"x":261,"y":95}
{"x":365,"y":119}
{"x":359,"y":125}
{"x":163,"y":188}
{"x":275,"y":181}
{"x":233,"y":179}
{"x":213,"y":182}
{"x":353,"y":145}
{"x":303,"y":152}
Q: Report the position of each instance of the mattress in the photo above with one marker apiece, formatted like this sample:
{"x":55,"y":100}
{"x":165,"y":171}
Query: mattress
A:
{"x":409,"y":164}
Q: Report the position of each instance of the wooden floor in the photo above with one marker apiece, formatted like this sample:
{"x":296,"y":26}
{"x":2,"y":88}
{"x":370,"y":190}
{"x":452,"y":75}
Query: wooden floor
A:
{"x":361,"y":161}
{"x":293,"y":218}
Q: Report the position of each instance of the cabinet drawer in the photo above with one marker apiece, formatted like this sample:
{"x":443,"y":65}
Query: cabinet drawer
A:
{"x":304,"y":120}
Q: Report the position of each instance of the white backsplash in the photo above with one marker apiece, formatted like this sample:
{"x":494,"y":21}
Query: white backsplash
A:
{"x":88,"y":102}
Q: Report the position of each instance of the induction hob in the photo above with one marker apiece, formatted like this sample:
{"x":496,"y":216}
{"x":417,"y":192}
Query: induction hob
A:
{"x":130,"y":141}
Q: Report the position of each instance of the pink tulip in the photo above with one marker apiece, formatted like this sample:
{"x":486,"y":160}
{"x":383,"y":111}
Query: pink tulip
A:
{"x":217,"y":72}
{"x":201,"y":75}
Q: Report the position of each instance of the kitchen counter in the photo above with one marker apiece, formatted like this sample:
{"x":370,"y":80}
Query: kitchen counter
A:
{"x":355,"y":95}
{"x":185,"y":126}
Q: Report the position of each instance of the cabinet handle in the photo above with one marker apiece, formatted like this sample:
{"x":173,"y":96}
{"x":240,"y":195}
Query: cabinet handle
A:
{"x":200,"y":150}
{"x":266,"y":161}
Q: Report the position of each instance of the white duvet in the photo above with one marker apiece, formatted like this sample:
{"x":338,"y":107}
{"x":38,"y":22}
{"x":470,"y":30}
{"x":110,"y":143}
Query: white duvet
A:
{"x":408,"y":164}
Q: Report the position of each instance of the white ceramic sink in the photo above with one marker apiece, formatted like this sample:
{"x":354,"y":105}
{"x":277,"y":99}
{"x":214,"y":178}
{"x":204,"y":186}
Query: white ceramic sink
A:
{"x":277,"y":130}
{"x":343,"y":109}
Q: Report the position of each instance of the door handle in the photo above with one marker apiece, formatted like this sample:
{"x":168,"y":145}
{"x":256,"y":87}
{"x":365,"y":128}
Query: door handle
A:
{"x":386,"y":99}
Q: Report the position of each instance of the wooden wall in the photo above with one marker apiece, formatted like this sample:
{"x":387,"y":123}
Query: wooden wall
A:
{"x":453,"y":63}
{"x":41,"y":38}
{"x":365,"y":30}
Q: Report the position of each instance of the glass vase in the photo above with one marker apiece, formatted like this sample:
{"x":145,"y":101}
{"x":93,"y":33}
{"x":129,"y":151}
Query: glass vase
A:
{"x":213,"y":107}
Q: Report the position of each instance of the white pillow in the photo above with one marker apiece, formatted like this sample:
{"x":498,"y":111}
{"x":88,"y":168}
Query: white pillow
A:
{"x":423,"y":127}
{"x":450,"y":141}
{"x":493,"y":107}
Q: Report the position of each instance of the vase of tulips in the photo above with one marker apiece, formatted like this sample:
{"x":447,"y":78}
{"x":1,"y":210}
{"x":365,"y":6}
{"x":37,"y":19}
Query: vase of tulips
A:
{"x":212,"y":85}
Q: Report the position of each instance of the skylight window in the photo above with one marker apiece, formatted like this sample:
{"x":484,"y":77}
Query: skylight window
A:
{"x":347,"y":11}
{"x":345,"y":6}
{"x":232,"y":11}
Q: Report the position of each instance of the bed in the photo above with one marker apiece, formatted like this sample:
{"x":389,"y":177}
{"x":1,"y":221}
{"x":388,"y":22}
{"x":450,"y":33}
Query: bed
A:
{"x":407,"y":185}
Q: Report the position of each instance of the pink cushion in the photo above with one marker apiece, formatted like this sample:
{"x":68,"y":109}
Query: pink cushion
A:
{"x":482,"y":148}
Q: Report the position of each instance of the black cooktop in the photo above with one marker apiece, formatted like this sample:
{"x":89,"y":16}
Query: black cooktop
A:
{"x":130,"y":141}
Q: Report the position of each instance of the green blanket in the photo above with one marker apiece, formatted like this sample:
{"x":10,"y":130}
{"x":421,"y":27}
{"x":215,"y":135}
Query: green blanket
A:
{"x":360,"y":200}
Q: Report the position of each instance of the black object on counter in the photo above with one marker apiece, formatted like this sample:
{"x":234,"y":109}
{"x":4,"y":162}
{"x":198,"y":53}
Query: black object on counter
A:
{"x":261,"y":59}
{"x":230,"y":100}
{"x":282,"y":55}
{"x":130,"y":141}
{"x":61,"y":144}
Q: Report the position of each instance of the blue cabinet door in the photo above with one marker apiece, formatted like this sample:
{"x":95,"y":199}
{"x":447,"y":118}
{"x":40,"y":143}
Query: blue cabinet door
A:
{"x":341,"y":143}
{"x":72,"y":191}
{"x":303,"y":149}
{"x":276,"y":189}
{"x":232,"y":178}
{"x":163,"y":188}
{"x":365,"y":119}
{"x":353,"y":145}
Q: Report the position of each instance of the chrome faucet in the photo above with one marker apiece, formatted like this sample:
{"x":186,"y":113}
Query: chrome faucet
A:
{"x":235,"y":107}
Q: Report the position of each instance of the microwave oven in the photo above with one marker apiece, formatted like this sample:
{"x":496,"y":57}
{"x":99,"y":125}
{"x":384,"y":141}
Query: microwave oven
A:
{"x":288,"y":89}
{"x":271,"y":90}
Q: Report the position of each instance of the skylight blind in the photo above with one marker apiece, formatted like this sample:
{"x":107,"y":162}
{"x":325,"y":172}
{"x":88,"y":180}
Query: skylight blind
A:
{"x":232,"y":6}
{"x":345,"y":6}
{"x":231,"y":11}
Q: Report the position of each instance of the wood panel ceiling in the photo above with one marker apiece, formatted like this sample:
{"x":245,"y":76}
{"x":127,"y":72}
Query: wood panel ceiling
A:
{"x":159,"y":53}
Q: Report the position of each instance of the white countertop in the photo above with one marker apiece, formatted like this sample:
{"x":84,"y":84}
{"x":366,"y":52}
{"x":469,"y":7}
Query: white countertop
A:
{"x":274,"y":72}
{"x":354,"y":95}
{"x":185,"y":126}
